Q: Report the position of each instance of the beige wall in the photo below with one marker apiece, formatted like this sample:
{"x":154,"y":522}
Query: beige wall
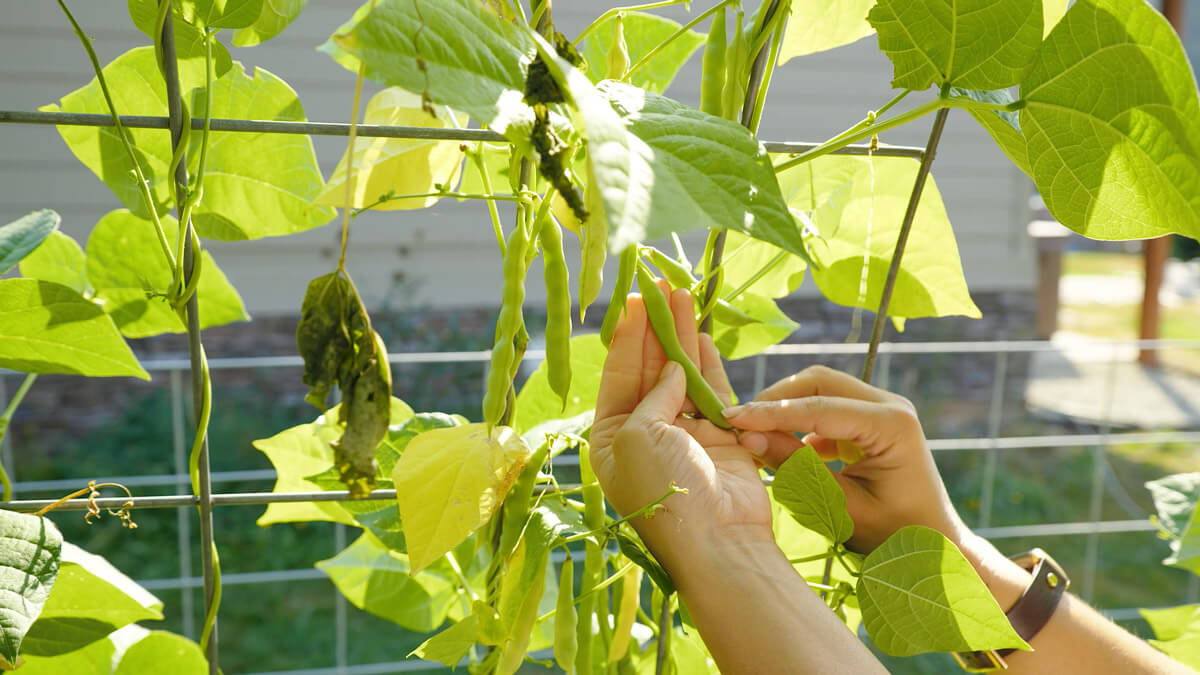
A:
{"x":446,"y":255}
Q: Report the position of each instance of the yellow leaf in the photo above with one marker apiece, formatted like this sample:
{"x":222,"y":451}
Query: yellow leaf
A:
{"x":398,"y":166}
{"x":451,"y":481}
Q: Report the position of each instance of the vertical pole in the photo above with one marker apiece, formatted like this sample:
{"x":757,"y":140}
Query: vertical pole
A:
{"x":760,"y":374}
{"x":179,"y":445}
{"x":1156,"y":251}
{"x":175,"y":122}
{"x":6,"y":449}
{"x":995,"y":414}
{"x":341,"y":630}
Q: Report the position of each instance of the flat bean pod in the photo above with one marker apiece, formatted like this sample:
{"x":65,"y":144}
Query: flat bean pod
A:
{"x":508,"y":326}
{"x":712,"y":83}
{"x":662,"y":320}
{"x":594,"y":249}
{"x":616,"y":306}
{"x":558,"y":310}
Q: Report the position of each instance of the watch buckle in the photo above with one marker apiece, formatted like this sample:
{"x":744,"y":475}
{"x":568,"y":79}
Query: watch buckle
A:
{"x":980,"y":662}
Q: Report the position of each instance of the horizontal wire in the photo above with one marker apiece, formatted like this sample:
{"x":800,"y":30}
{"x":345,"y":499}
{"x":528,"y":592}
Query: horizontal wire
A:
{"x":365,"y":130}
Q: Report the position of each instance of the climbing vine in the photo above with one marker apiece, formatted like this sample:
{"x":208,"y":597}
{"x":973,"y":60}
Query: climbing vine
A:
{"x":483,"y":546}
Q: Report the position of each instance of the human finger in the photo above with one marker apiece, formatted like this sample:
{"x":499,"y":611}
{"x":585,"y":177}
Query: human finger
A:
{"x":864,"y":422}
{"x":663,"y":403}
{"x":713,"y":370}
{"x":621,"y":380}
{"x":823,"y":381}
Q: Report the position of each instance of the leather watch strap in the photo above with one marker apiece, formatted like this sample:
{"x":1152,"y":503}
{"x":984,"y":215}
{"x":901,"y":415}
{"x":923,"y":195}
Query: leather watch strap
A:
{"x":1031,"y":611}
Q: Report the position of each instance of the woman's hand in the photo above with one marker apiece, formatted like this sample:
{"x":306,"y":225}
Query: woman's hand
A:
{"x":894,"y":484}
{"x":641,"y":444}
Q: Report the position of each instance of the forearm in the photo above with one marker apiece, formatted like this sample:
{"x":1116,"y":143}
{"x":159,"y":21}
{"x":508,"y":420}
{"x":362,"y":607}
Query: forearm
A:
{"x":757,"y":615}
{"x":1076,"y":639}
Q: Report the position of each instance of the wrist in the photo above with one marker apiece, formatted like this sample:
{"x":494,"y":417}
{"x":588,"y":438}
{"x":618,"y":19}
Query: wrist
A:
{"x":700,"y":560}
{"x":1004,"y":578}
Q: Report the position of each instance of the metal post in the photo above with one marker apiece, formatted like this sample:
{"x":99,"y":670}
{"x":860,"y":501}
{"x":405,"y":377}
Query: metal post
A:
{"x":175,"y":114}
{"x":179,"y":446}
{"x":1099,"y":466}
{"x":760,"y":374}
{"x":6,"y":448}
{"x":991,"y":457}
{"x":341,"y":629}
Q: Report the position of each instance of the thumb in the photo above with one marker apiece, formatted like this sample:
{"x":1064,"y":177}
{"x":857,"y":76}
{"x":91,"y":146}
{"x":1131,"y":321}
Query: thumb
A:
{"x":664,"y":402}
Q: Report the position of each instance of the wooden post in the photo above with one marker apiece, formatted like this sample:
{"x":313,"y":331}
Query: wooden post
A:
{"x":1156,"y":251}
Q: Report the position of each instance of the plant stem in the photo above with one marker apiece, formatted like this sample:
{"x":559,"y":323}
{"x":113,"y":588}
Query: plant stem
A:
{"x":5,"y":420}
{"x":757,"y":72}
{"x":935,"y":136}
{"x":617,"y":10}
{"x":758,"y":275}
{"x":664,"y":635}
{"x":486,"y":179}
{"x":143,"y":185}
{"x":811,"y":558}
{"x":351,"y":174}
{"x":201,"y":385}
{"x":674,"y":36}
{"x":860,"y":132}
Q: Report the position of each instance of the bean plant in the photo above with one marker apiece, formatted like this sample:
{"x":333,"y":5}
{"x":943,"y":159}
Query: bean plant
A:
{"x":493,"y":544}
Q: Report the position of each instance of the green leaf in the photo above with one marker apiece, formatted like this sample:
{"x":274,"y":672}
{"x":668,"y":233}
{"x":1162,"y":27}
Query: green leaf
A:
{"x":28,"y":568}
{"x":90,"y":600}
{"x":819,"y":25}
{"x":636,"y":551}
{"x":771,"y":326}
{"x":1174,"y":500}
{"x":1185,"y":551}
{"x":416,"y":48}
{"x":1178,"y":632}
{"x":48,"y":328}
{"x":399,"y":166}
{"x":159,"y":650}
{"x":919,"y":594}
{"x":94,"y":659}
{"x":189,"y":39}
{"x":450,"y":481}
{"x":537,"y":403}
{"x":974,"y":44}
{"x":854,"y":219}
{"x":58,"y":259}
{"x":1112,"y":123}
{"x":301,"y":454}
{"x":382,"y":517}
{"x":125,"y":264}
{"x":678,"y":169}
{"x":20,"y":237}
{"x":746,"y":258}
{"x":1004,"y":127}
{"x":246,"y":195}
{"x":452,"y":644}
{"x":198,"y":13}
{"x":383,"y":583}
{"x":643,"y":32}
{"x":808,"y":491}
{"x":275,"y":16}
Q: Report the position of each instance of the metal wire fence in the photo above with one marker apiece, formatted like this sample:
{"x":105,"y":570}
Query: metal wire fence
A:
{"x":1099,"y":439}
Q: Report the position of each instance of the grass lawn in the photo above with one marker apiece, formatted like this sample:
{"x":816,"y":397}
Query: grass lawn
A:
{"x":1108,"y":320}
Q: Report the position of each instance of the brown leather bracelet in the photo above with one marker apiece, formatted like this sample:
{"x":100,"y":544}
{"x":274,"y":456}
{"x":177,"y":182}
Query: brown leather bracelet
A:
{"x":1031,"y":612}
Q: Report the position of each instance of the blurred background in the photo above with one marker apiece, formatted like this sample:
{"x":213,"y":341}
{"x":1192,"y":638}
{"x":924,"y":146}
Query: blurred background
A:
{"x":1045,"y":419}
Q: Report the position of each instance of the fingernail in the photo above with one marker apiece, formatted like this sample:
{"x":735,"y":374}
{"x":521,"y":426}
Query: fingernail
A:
{"x":734,"y":411}
{"x":756,"y":443}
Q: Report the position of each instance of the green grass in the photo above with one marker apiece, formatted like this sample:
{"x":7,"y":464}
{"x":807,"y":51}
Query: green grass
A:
{"x":1122,"y":321}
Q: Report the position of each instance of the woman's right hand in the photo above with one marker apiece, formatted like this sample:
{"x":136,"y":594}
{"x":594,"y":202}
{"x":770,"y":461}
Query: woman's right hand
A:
{"x":894,"y":484}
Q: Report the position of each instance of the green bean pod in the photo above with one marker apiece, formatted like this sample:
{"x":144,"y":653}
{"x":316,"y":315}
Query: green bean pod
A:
{"x":558,"y":310}
{"x":731,"y":316}
{"x":712,"y":82}
{"x":566,"y":619}
{"x":617,"y":61}
{"x":676,"y":273}
{"x":523,"y":612}
{"x":595,"y":246}
{"x":508,"y":326}
{"x":616,"y":306}
{"x":588,"y":653}
{"x":662,"y":320}
{"x":736,"y":62}
{"x":518,"y":503}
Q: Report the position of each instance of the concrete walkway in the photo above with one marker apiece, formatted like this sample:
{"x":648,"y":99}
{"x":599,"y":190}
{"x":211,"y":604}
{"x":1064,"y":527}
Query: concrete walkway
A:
{"x":1094,"y":382}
